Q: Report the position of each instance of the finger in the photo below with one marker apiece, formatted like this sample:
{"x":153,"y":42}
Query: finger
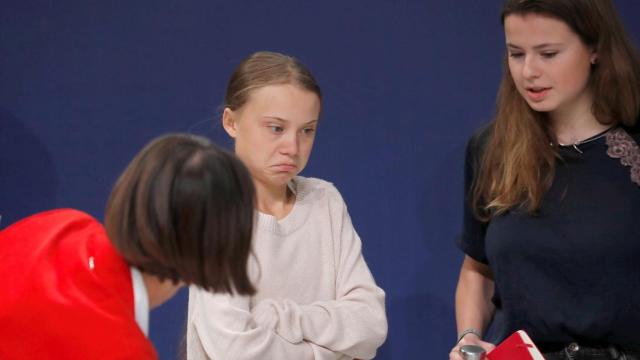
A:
{"x":487,"y":345}
{"x":455,"y":354}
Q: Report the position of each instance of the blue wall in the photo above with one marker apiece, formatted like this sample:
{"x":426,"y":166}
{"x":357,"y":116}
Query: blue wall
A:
{"x":84,"y":84}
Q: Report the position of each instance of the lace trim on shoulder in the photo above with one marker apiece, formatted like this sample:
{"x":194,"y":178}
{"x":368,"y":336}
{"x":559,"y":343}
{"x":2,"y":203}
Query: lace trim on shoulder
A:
{"x":622,"y":146}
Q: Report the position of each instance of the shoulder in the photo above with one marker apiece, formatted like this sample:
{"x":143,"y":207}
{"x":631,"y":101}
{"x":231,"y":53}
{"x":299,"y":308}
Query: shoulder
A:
{"x":314,"y":188}
{"x":478,"y":141}
{"x":476,"y":146}
{"x":52,"y":225}
{"x":53,"y":217}
{"x":634,"y":131}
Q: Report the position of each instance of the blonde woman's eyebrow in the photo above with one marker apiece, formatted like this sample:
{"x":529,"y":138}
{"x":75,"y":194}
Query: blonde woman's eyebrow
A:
{"x":275,"y":118}
{"x":286,"y":121}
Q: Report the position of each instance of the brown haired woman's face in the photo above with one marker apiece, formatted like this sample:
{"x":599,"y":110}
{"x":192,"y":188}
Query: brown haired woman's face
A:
{"x":549,"y":63}
{"x":274,"y":131}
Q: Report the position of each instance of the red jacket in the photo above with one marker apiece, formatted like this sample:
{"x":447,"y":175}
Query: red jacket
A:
{"x":66,"y":293}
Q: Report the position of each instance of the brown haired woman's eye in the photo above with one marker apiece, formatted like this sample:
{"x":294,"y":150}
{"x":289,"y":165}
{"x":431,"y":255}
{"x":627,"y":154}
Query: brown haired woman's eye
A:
{"x":516,"y":55}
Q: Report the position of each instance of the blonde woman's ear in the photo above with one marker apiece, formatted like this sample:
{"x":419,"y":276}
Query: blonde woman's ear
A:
{"x":228,"y":122}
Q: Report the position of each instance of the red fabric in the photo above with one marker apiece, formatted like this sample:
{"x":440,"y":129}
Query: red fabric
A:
{"x":518,"y":346}
{"x":52,"y":305}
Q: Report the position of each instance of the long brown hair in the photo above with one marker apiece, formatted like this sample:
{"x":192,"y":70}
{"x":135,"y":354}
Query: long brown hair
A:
{"x":518,"y":163}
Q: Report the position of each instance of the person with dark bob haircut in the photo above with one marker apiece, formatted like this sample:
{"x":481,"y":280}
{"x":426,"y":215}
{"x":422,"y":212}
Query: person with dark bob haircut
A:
{"x":551,"y":231}
{"x":181,"y":213}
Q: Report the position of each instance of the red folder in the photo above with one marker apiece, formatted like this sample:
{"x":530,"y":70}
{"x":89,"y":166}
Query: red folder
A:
{"x":518,"y":346}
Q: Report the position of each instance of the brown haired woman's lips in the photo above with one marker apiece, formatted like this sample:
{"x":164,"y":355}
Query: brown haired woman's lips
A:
{"x":537,"y":93}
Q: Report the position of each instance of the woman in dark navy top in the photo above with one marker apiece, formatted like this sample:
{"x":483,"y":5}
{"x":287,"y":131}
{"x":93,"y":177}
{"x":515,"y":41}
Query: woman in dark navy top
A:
{"x":552,"y":205}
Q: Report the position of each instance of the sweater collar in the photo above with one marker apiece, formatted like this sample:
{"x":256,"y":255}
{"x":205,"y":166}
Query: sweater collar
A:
{"x":140,"y":300}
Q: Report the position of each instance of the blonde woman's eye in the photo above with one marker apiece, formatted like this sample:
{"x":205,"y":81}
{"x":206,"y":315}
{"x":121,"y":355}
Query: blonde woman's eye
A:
{"x":276,"y":129}
{"x":308,"y":131}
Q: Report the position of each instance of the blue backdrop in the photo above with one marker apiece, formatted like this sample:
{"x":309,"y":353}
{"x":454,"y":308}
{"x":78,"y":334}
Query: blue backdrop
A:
{"x":84,"y":84}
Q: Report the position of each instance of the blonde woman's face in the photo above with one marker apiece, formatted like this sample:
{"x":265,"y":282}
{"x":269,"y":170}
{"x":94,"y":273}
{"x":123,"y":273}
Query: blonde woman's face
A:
{"x":549,"y":63}
{"x":274,"y":131}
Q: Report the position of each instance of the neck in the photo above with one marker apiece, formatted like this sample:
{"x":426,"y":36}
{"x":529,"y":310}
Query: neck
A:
{"x":158,"y":290}
{"x":574,"y":125}
{"x":274,"y":200}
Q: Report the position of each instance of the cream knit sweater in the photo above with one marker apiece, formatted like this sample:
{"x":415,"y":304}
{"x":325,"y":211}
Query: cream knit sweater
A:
{"x":316,"y":297}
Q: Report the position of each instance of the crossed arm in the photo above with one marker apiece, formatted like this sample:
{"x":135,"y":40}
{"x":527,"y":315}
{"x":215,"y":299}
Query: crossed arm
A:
{"x":352,"y":326}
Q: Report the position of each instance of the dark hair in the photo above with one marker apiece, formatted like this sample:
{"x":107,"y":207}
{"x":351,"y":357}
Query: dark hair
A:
{"x":518,"y":165}
{"x":183,"y":210}
{"x":267,"y":68}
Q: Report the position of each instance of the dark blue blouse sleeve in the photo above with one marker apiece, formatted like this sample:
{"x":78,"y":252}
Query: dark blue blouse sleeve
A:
{"x":472,"y":239}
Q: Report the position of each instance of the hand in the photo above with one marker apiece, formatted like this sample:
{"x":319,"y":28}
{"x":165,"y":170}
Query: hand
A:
{"x":270,"y":313}
{"x":265,"y":315}
{"x":469,"y":339}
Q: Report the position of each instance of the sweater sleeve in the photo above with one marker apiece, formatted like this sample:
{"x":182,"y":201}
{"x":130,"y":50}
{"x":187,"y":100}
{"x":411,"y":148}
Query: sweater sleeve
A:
{"x":355,"y":323}
{"x":222,"y":327}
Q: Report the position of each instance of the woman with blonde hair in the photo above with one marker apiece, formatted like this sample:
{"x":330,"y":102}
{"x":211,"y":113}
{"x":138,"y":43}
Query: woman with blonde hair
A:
{"x":316,"y":298}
